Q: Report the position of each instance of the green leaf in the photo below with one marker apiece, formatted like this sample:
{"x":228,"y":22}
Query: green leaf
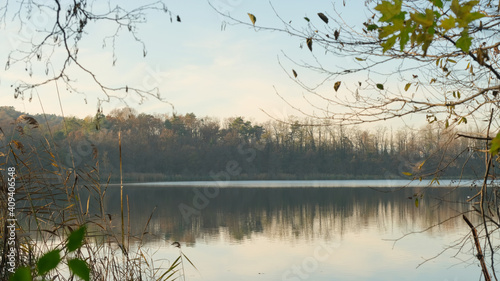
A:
{"x":455,"y":7}
{"x":464,"y":41}
{"x":21,"y":274}
{"x":404,"y":37}
{"x":307,"y":19}
{"x":79,"y":268}
{"x":388,"y":10}
{"x":473,"y":16}
{"x":380,"y":86}
{"x":48,"y":262}
{"x":416,"y":202}
{"x":75,"y":239}
{"x":425,"y":20}
{"x":337,"y":85}
{"x":372,"y":27}
{"x":495,"y":145}
{"x":390,"y":29}
{"x":407,"y":86}
{"x":438,"y":3}
{"x":388,"y":43}
{"x":360,"y":59}
{"x":448,"y":23}
{"x":252,"y":18}
{"x":323,"y":17}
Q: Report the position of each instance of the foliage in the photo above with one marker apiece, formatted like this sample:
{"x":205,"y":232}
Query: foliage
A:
{"x":189,"y":147}
{"x":53,"y":196}
{"x":435,"y":60}
{"x":442,"y":52}
{"x":50,"y":260}
{"x":419,"y":28}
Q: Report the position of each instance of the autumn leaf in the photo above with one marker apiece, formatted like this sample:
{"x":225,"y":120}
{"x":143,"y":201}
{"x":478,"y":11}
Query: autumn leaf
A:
{"x":421,"y":165}
{"x":294,"y":73}
{"x":309,"y":42}
{"x":252,"y":18}
{"x":407,"y":86}
{"x":337,"y":85}
{"x":323,"y":17}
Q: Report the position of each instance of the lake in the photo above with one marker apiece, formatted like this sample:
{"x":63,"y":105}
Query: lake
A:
{"x":305,"y":230}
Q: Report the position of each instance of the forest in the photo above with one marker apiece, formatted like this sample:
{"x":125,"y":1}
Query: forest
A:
{"x":187,"y":147}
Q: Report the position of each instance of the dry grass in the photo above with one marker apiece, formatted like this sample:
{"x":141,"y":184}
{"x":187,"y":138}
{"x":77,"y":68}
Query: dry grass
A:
{"x":52,"y":200}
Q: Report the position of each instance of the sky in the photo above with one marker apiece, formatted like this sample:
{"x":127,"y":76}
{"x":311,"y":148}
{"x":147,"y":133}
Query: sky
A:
{"x":200,"y":65}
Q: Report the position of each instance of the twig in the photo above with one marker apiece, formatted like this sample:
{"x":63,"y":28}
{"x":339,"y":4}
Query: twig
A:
{"x":479,"y":255}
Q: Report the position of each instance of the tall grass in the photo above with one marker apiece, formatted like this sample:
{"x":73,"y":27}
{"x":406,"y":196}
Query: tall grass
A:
{"x":52,"y":200}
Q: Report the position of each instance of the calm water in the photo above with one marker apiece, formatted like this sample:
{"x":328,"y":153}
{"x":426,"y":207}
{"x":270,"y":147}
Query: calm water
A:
{"x":296,"y":231}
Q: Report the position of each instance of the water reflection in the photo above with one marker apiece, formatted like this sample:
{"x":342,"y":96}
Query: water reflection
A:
{"x":260,"y":233}
{"x":188,"y":214}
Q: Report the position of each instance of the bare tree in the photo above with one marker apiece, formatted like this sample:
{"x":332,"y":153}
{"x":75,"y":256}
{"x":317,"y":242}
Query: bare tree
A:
{"x":50,"y":36}
{"x":438,"y":59}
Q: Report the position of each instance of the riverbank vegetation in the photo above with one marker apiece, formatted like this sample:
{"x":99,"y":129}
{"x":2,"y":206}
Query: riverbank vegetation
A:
{"x":187,"y":147}
{"x":46,"y":203}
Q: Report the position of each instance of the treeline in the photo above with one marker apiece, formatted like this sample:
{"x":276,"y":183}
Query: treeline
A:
{"x":187,"y":147}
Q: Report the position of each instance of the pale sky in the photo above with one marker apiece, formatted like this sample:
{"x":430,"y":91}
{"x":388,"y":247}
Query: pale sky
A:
{"x":197,"y":66}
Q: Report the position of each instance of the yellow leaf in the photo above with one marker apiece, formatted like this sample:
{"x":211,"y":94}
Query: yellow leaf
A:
{"x":407,"y":86}
{"x":421,"y":165}
{"x":252,"y":18}
{"x":407,"y":174}
{"x":337,"y":85}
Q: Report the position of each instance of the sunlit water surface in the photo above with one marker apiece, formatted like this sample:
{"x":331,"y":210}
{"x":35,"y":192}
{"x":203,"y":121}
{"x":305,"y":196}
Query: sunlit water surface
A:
{"x":305,"y":230}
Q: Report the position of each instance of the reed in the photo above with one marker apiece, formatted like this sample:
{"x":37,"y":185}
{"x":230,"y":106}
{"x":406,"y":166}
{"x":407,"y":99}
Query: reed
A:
{"x":52,"y":201}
